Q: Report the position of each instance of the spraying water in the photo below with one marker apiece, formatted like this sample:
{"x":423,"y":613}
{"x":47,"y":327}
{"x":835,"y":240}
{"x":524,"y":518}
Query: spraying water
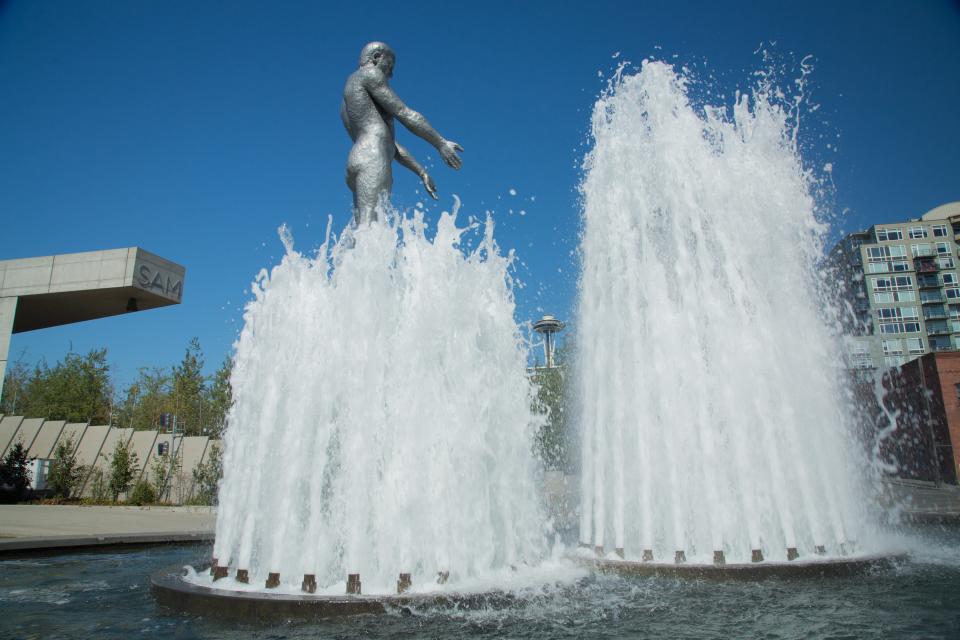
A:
{"x":382,"y":418}
{"x":712,"y":424}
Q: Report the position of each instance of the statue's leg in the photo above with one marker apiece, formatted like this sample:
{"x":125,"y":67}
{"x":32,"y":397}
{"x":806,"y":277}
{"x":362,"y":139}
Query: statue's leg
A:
{"x":371,"y":183}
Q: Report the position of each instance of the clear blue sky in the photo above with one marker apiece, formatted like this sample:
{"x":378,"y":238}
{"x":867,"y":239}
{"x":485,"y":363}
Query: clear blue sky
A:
{"x":194,"y":129}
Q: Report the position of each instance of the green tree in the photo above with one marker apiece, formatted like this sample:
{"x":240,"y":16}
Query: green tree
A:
{"x":76,"y":389}
{"x":65,"y":470}
{"x":206,"y":477}
{"x":99,"y":487}
{"x":165,"y":468}
{"x":124,"y":467}
{"x":146,"y":398}
{"x":219,"y":399}
{"x":552,"y":441}
{"x":189,"y":388}
{"x":14,"y":395}
{"x":15,"y":474}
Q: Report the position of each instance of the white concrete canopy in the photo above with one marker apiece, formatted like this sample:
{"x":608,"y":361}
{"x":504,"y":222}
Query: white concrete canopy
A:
{"x":36,"y":293}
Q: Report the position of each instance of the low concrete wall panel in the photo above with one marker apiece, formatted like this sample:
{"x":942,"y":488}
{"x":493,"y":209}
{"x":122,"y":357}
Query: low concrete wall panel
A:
{"x":9,"y":427}
{"x":29,"y":429}
{"x":42,"y":446}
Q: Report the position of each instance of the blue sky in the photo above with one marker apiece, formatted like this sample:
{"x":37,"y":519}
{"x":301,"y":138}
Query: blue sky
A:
{"x":194,"y":129}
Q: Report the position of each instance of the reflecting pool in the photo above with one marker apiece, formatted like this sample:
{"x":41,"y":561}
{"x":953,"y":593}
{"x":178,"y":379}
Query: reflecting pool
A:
{"x":107,"y":595}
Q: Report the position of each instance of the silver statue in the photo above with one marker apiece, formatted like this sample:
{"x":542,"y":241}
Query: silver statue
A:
{"x":368,"y":109}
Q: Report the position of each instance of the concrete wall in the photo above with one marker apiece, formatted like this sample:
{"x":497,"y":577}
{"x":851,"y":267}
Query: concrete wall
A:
{"x":142,"y":443}
{"x":89,"y":449}
{"x":191,"y":453}
{"x":114,"y":436}
{"x":94,"y":446}
{"x":9,"y":427}
{"x":42,"y":446}
{"x":148,"y":465}
{"x":27,"y":433}
{"x":71,"y":431}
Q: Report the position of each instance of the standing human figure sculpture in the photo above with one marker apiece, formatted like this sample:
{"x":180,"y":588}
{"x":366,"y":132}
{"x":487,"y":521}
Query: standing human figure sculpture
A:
{"x":368,"y":109}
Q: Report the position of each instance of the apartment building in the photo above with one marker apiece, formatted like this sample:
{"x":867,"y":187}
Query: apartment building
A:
{"x":901,"y":286}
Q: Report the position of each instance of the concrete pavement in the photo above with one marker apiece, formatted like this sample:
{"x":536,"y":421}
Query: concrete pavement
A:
{"x":49,"y":527}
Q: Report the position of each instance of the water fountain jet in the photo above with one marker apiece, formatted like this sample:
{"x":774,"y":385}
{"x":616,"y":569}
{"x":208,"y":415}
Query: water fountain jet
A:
{"x":699,"y":306}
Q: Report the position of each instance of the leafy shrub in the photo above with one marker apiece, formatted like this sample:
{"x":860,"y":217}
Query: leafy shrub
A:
{"x":143,"y":493}
{"x":65,"y":471}
{"x":15,"y":475}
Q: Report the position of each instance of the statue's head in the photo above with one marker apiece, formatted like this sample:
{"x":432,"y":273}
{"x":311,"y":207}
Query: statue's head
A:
{"x":380,"y":55}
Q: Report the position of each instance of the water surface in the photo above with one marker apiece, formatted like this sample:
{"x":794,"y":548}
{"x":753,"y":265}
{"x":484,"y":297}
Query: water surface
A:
{"x":107,"y":595}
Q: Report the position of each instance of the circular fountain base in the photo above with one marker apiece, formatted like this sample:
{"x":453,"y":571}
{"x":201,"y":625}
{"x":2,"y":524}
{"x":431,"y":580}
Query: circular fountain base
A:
{"x":171,"y":589}
{"x":814,"y":568}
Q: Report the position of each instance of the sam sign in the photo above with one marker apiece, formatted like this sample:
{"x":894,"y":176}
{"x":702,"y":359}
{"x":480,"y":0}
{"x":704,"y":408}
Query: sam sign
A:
{"x":158,"y":279}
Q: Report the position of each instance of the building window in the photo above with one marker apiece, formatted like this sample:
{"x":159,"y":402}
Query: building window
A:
{"x":892,"y":348}
{"x":893,"y":361}
{"x":949,"y":278}
{"x":945,"y":262}
{"x":940,"y":231}
{"x":918,"y":232}
{"x":860,"y":357}
{"x":943,"y":249}
{"x":886,"y":252}
{"x":892,"y":283}
{"x":889,"y":297}
{"x":884,"y":235}
{"x":896,"y":320}
{"x":923,"y":249}
{"x":915,"y":346}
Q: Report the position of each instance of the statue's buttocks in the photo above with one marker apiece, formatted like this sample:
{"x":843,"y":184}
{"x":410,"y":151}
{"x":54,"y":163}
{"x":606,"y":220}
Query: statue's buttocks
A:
{"x":368,"y":110}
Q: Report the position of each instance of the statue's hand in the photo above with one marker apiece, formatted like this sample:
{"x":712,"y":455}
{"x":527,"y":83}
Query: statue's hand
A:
{"x":428,"y":185}
{"x":448,"y":151}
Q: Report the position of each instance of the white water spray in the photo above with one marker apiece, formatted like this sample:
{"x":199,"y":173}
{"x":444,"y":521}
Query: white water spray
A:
{"x":711,"y":419}
{"x":382,"y":419}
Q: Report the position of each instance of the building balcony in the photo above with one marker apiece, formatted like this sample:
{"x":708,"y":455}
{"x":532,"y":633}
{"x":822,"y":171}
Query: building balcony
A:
{"x":938,"y":330}
{"x":928,"y":283}
{"x":925,"y":264}
{"x":932,"y":299}
{"x":934,"y":313}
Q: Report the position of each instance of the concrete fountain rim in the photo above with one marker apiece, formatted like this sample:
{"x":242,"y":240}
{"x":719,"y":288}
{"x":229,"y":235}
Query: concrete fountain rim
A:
{"x":172,"y":590}
{"x":800,"y":569}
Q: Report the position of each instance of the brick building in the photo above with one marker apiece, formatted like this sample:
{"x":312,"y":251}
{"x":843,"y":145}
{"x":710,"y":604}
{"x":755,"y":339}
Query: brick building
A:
{"x":920,"y":417}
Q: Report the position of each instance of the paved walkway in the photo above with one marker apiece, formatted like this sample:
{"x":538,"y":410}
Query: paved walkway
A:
{"x":25,"y":527}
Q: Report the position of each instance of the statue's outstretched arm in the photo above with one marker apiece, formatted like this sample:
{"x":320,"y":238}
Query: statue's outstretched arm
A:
{"x":406,"y":159}
{"x":376,"y":84}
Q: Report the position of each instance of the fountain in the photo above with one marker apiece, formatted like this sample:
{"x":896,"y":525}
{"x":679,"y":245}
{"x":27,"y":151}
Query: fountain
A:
{"x":714,"y":433}
{"x":379,"y":449}
{"x":380,"y":439}
{"x":382,"y":423}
